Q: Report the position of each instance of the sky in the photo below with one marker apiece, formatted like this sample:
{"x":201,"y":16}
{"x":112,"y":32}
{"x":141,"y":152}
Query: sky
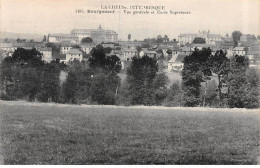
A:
{"x":59,"y":16}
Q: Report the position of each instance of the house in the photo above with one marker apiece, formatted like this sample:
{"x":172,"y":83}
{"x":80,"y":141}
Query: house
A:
{"x":210,"y":38}
{"x":175,"y":63}
{"x":73,"y":54}
{"x":65,"y":47}
{"x":8,"y":47}
{"x":46,"y":53}
{"x":87,"y":47}
{"x":129,"y":53}
{"x":148,"y":53}
{"x":228,"y":47}
{"x":200,"y":46}
{"x":185,"y":50}
{"x":110,"y":45}
{"x":239,"y":51}
{"x":175,"y":50}
{"x":186,"y":38}
{"x":27,"y":46}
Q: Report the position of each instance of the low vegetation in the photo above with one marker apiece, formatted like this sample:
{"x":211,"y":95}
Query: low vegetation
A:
{"x":37,"y":133}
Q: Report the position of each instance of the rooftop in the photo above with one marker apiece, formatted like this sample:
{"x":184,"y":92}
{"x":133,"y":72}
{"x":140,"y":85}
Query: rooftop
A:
{"x":180,"y":58}
{"x":62,"y":35}
{"x":214,"y":36}
{"x":74,"y":51}
{"x":239,"y":48}
{"x":6,"y":45}
{"x":81,"y":31}
{"x":188,"y":35}
{"x":45,"y":49}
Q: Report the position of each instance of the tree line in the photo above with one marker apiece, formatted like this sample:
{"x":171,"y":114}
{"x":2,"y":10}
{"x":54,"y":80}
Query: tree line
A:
{"x":207,"y":80}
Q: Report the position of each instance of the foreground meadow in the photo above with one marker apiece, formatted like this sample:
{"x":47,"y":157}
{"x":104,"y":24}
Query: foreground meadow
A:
{"x":69,"y":134}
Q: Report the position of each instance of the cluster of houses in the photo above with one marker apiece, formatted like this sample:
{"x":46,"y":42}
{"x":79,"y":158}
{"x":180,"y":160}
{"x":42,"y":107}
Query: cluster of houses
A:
{"x":125,"y":50}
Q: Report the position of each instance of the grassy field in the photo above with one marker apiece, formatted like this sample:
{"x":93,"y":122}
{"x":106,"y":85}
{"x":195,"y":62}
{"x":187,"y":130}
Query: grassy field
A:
{"x":66,"y":134}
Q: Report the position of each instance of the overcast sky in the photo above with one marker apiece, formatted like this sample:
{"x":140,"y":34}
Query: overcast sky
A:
{"x":59,"y":16}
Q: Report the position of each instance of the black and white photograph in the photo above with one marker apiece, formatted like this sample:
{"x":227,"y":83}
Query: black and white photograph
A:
{"x":137,"y":82}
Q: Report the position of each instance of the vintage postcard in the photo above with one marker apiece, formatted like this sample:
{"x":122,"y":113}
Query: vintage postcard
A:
{"x":138,"y":82}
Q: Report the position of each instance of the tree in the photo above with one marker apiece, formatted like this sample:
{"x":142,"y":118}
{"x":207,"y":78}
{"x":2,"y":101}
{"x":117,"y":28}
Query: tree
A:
{"x":28,"y":58}
{"x":129,"y":37}
{"x":251,"y":99}
{"x":50,"y":90}
{"x":44,"y":39}
{"x":236,"y":37}
{"x":55,"y":48}
{"x":70,"y":88}
{"x":22,"y":73}
{"x":169,"y":51}
{"x":113,"y":64}
{"x":139,"y":49}
{"x":174,"y":96}
{"x":87,"y":40}
{"x":237,"y":81}
{"x":76,"y":46}
{"x":196,"y":70}
{"x":220,"y":66}
{"x":98,"y":57}
{"x":165,"y":38}
{"x":18,"y":40}
{"x":103,"y":88}
{"x":76,"y":88}
{"x":145,"y":45}
{"x":199,"y":40}
{"x":107,"y":50}
{"x":140,"y":76}
{"x":160,"y":87}
{"x":159,"y":39}
{"x":30,"y":82}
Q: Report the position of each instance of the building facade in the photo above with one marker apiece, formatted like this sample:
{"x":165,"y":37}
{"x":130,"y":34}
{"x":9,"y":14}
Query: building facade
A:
{"x":57,"y":38}
{"x":73,"y":54}
{"x":46,"y":53}
{"x":209,"y":38}
{"x":98,"y":35}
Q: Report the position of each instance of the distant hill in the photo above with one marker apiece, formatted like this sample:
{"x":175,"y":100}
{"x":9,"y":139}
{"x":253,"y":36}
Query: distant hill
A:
{"x":10,"y":35}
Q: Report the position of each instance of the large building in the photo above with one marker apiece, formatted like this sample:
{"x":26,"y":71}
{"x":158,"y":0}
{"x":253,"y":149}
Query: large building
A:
{"x":98,"y":35}
{"x":209,"y":38}
{"x":57,"y":38}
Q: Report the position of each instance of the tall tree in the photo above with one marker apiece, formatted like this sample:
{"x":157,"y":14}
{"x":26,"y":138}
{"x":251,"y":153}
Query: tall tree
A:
{"x":44,"y":39}
{"x":98,"y":57}
{"x":220,"y":66}
{"x":251,"y":99}
{"x":50,"y":90}
{"x":236,"y":81}
{"x":159,"y":39}
{"x":199,"y":40}
{"x":160,"y":87}
{"x":236,"y":37}
{"x":129,"y":37}
{"x":196,"y":70}
{"x":140,"y":76}
{"x":87,"y":40}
